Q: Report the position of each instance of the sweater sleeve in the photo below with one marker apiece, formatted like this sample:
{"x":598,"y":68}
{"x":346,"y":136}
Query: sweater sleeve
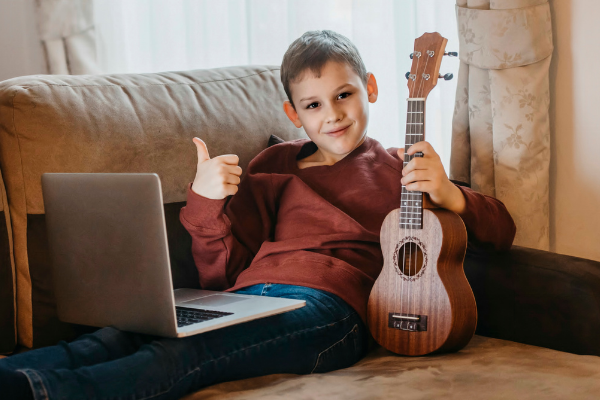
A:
{"x":487,"y":220}
{"x":226,"y":234}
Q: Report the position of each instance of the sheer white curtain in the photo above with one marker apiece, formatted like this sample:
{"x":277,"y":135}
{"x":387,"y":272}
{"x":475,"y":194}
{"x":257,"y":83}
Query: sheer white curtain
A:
{"x":171,"y":35}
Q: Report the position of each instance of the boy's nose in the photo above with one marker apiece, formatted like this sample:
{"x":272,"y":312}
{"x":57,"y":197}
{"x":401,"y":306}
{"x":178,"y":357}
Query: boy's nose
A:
{"x":335,"y":114}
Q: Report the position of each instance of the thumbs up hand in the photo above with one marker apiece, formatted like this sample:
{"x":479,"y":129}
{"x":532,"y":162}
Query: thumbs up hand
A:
{"x":218,"y":177}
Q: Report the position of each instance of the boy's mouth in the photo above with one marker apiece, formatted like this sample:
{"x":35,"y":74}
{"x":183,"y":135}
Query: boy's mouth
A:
{"x":338,"y":132}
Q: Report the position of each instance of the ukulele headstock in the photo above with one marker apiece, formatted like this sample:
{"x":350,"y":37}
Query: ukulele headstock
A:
{"x":425,"y":69}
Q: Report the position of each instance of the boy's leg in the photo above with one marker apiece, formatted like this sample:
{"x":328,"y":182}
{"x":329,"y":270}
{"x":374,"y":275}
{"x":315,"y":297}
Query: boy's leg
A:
{"x":324,"y":335}
{"x":101,"y":346}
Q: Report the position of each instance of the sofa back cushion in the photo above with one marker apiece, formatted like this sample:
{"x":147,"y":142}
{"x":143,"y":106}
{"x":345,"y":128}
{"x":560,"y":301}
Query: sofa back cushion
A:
{"x":122,"y":123}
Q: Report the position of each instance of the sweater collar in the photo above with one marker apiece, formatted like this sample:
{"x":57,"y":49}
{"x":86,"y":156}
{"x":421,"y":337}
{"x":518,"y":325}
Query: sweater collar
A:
{"x":305,"y":147}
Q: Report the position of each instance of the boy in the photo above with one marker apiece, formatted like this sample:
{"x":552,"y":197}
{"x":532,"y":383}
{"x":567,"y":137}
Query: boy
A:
{"x":304,"y":223}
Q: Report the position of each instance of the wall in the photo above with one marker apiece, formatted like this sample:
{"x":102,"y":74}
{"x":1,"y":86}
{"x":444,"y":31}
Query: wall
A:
{"x":21,"y":52}
{"x":575,"y":133}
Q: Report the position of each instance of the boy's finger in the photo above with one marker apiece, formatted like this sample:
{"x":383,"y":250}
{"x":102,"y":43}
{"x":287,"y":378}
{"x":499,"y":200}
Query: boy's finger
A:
{"x":202,"y":150}
{"x":234,"y":169}
{"x":422,"y":146}
{"x":230,"y":159}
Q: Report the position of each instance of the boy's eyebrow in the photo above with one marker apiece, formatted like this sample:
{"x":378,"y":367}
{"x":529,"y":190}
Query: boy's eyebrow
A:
{"x":335,"y":90}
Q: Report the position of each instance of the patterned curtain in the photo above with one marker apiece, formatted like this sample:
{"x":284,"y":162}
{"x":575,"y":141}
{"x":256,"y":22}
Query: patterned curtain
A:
{"x":66,"y":28}
{"x":500,"y":129}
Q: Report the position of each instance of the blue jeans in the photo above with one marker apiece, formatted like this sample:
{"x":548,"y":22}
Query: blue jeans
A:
{"x":322,"y":336}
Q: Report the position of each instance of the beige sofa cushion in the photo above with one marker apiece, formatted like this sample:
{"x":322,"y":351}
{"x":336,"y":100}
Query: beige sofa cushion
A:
{"x":121,"y":123}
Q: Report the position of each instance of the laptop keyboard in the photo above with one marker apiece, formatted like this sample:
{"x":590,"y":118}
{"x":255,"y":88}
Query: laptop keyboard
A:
{"x":188,"y":316}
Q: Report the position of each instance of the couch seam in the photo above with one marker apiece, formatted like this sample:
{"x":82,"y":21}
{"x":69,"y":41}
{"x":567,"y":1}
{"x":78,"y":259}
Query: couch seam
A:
{"x":154,"y":84}
{"x":25,"y":209}
{"x":11,"y":243}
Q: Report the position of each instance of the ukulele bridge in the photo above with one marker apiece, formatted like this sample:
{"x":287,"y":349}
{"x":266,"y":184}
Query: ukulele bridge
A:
{"x":408,"y":322}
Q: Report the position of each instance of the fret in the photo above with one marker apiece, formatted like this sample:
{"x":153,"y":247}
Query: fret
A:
{"x":413,"y":192}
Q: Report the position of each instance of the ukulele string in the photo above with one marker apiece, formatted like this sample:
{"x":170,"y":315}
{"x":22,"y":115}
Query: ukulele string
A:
{"x":408,"y":140}
{"x":422,"y":132}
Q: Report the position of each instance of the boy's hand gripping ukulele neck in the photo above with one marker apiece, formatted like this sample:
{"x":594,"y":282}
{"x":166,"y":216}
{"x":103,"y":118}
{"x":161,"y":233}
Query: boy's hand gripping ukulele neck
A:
{"x":421,"y":302}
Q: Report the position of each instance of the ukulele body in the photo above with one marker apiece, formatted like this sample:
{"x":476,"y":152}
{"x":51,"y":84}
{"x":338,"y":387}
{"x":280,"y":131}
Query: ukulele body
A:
{"x":416,"y":311}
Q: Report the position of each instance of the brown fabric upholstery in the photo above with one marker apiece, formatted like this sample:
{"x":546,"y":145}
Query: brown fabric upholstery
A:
{"x":8,"y":328}
{"x":121,"y":123}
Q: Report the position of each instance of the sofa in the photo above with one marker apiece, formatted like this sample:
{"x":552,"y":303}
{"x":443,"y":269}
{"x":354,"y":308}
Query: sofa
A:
{"x":539,"y":312}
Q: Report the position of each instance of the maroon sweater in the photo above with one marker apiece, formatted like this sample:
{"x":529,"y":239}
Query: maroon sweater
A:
{"x":316,"y":227}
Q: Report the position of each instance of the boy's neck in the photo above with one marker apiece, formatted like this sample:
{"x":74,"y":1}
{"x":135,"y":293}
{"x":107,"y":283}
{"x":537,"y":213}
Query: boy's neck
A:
{"x":320,"y":158}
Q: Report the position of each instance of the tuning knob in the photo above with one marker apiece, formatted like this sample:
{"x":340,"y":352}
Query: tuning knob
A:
{"x":411,"y":56}
{"x":446,"y":77}
{"x":407,"y":75}
{"x":450,"y":54}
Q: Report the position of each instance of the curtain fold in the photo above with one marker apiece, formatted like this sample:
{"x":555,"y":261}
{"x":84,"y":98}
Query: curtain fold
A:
{"x":500,"y":128}
{"x":66,"y":28}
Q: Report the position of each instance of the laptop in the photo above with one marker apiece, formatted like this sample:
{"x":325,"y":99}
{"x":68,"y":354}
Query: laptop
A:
{"x":110,"y":261}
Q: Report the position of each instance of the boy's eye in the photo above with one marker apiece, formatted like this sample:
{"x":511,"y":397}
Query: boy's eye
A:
{"x":342,"y":95}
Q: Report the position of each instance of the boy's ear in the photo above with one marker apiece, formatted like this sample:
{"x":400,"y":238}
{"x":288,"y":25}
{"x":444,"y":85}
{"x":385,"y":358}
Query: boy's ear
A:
{"x":291,"y":113}
{"x":372,"y":90}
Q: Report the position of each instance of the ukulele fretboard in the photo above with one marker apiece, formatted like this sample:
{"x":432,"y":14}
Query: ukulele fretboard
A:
{"x":411,"y":202}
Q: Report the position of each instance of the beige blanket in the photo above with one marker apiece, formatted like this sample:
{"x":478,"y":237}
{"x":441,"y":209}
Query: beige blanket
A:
{"x":485,"y":369}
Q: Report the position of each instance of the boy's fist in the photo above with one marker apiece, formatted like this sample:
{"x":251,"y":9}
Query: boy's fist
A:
{"x":216,"y":178}
{"x":427,"y":174}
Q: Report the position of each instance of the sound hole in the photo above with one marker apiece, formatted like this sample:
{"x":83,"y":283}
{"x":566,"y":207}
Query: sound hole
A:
{"x":410,"y":258}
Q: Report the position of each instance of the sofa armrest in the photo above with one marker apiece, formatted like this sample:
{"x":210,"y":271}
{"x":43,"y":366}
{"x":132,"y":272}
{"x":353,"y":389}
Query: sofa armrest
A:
{"x":537,"y":297}
{"x":8,"y":329}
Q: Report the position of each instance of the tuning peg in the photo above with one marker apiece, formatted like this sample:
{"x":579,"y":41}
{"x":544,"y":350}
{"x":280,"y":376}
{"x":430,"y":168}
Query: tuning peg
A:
{"x":450,"y":54}
{"x":407,"y":75}
{"x":446,"y":77}
{"x":411,"y":57}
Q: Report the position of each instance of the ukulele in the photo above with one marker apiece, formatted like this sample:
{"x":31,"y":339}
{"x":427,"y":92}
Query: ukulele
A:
{"x":422,"y":302}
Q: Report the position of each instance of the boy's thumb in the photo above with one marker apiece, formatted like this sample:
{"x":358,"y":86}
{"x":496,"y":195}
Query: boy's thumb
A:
{"x":401,"y":153}
{"x":202,"y":150}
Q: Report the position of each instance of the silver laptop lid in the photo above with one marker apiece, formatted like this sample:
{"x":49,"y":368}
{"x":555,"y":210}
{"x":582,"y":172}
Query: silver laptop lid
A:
{"x":108,"y":249}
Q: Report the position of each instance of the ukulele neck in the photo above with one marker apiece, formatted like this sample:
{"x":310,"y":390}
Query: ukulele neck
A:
{"x":411,"y":202}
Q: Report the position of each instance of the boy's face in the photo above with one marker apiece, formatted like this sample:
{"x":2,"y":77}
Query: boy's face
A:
{"x":334,"y":109}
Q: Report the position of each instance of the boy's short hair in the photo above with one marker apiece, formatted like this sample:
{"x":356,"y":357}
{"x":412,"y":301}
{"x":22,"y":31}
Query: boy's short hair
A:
{"x":313,"y":50}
